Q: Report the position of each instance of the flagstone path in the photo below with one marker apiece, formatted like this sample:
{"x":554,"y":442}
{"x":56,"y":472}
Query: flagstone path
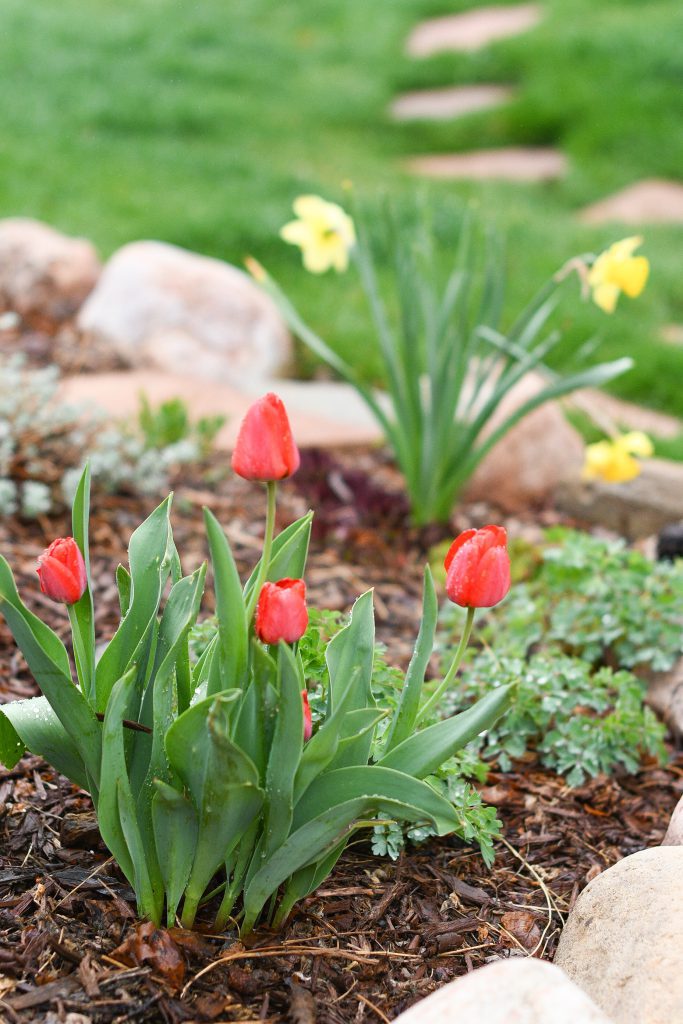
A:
{"x":442,"y":104}
{"x":652,"y":201}
{"x":510,"y":164}
{"x":472,"y":30}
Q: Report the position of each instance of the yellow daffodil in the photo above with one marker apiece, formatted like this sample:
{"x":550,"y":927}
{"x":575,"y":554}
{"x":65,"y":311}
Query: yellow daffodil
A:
{"x":613,"y":461}
{"x":617,"y":270}
{"x":324,"y":233}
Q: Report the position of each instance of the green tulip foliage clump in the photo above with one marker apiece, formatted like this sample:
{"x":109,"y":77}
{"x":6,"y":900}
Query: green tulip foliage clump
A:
{"x":204,"y":774}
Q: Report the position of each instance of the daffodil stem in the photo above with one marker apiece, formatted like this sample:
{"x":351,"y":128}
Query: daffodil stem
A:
{"x":267,"y":548}
{"x":455,"y":665}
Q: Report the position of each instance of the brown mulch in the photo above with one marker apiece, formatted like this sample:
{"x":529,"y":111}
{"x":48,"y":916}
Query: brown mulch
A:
{"x":378,"y":935}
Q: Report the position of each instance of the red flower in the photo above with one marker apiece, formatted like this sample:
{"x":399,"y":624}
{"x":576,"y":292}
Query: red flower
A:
{"x":308,"y":721}
{"x":265,"y":449}
{"x":281,"y":612}
{"x":61,"y":571}
{"x":478,"y":568}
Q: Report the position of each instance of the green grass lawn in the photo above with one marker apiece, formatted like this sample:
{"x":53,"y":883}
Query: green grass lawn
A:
{"x":198,"y":123}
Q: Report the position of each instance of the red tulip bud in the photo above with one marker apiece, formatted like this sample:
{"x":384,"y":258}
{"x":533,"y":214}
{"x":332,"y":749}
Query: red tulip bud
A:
{"x":281,"y":612}
{"x":478,"y":568}
{"x":308,"y":721}
{"x":61,"y":571}
{"x":265,"y":449}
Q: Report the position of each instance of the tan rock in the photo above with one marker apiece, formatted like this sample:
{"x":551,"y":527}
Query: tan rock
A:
{"x":471,"y":30}
{"x":665,"y":696}
{"x":119,"y":394}
{"x":510,"y":164}
{"x":635,"y":509}
{"x":652,"y":201}
{"x":158,"y":305}
{"x":533,"y":459}
{"x":442,"y":104}
{"x":44,"y":273}
{"x":521,"y":990}
{"x":622,"y":941}
{"x":674,"y":833}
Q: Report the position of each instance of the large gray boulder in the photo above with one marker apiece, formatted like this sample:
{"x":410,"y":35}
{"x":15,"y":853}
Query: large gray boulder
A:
{"x":521,"y":990}
{"x":43,"y":273}
{"x":159,"y":305}
{"x":623,"y":940}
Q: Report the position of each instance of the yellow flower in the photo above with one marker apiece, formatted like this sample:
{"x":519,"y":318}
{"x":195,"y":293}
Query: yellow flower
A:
{"x":324,"y":233}
{"x":617,"y":270}
{"x":613,"y":461}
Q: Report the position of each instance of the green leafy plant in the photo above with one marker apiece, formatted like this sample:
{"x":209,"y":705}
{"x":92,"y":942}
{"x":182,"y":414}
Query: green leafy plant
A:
{"x":208,"y":778}
{"x":448,"y":362}
{"x":591,"y":610}
{"x":170,"y":423}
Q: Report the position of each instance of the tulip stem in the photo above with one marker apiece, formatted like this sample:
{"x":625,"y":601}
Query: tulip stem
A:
{"x":80,"y":656}
{"x":450,"y":675}
{"x":271,"y":486}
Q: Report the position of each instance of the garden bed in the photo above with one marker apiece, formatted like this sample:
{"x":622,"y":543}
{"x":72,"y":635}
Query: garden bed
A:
{"x":378,"y":935}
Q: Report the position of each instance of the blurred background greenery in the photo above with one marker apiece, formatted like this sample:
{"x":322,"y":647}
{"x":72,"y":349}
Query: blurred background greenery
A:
{"x":199,"y":122}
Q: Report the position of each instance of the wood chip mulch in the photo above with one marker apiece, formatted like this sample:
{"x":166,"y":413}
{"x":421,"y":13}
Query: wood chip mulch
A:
{"x":378,"y":935}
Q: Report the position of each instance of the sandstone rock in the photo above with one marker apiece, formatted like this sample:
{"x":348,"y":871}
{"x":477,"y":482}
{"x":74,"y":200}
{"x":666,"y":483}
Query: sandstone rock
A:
{"x":442,"y":104}
{"x":635,"y":509}
{"x":521,"y":990}
{"x":471,"y":30}
{"x":622,"y":941}
{"x":313,"y":424}
{"x":514,"y":163}
{"x":44,"y":273}
{"x":665,"y":696}
{"x":158,"y":305}
{"x":652,"y":201}
{"x":674,"y":833}
{"x":530,"y":462}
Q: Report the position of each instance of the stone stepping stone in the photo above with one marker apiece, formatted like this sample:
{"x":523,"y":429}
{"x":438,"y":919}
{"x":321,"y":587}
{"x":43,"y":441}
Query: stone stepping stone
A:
{"x":653,"y":201}
{"x":321,"y":413}
{"x":510,"y":164}
{"x":672,"y":334}
{"x":601,"y":406}
{"x":443,"y":104}
{"x":471,"y":30}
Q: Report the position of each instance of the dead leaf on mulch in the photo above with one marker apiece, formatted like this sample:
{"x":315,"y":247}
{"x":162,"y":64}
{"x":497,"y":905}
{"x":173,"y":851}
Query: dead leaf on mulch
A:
{"x":523,"y":927}
{"x":148,"y":945}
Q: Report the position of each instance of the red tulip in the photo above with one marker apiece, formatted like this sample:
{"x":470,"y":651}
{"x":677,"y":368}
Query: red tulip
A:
{"x":478,"y":568}
{"x":308,"y":721}
{"x":62,"y":572}
{"x":265,"y":449}
{"x":281,"y":612}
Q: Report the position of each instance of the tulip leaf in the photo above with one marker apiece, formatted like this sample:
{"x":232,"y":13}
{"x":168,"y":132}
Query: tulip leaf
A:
{"x":405,"y":716}
{"x":49,"y":663}
{"x":175,"y":835}
{"x":423,"y":753}
{"x":117,"y":811}
{"x":307,"y":880}
{"x":288,"y":554}
{"x":311,"y":843}
{"x":223,"y":784}
{"x":32,"y":724}
{"x":285,"y":752}
{"x":230,"y":662}
{"x":315,"y":840}
{"x":378,"y":785}
{"x":150,"y":554}
{"x":323,"y":745}
{"x":350,"y":655}
{"x":82,"y":613}
{"x":123,"y":585}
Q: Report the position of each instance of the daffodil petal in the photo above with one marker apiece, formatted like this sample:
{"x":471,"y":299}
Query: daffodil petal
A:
{"x":605,"y":296}
{"x":636,"y":443}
